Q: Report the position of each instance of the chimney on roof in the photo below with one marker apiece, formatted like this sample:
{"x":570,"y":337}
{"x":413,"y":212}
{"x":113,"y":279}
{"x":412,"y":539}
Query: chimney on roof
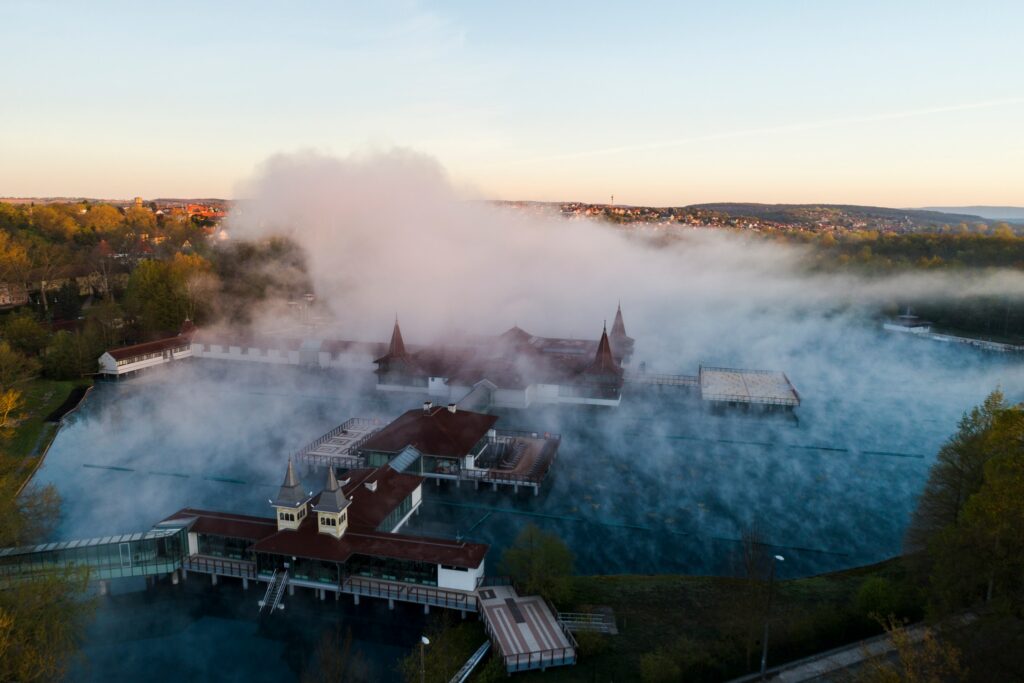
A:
{"x":427,"y":405}
{"x":452,"y":408}
{"x":371,"y":486}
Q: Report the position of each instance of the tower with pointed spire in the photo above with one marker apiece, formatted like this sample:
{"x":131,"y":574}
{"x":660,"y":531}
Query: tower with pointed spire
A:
{"x":291,"y":501}
{"x":621,"y":343}
{"x":331,"y":508}
{"x":397,"y":365}
{"x":602,"y":379}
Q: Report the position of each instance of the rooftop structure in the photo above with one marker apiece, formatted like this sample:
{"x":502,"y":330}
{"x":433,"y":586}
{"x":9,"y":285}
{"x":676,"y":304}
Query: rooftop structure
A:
{"x":733,"y":386}
{"x":439,"y":442}
{"x":516,"y":367}
{"x":127,"y":360}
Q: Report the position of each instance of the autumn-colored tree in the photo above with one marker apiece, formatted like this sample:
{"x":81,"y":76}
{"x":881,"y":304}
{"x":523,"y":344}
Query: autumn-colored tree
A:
{"x":14,"y":260}
{"x":921,"y":656}
{"x":140,"y":219}
{"x":54,"y":223}
{"x":41,"y":620}
{"x":198,"y":281}
{"x":103,"y":219}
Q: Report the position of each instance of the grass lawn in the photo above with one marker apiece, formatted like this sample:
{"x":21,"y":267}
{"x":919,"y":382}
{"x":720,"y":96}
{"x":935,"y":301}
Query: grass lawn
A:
{"x":710,"y":629}
{"x":33,"y":433}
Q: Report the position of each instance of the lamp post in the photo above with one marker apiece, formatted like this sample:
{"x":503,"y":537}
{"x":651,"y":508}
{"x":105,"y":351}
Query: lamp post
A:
{"x":768,"y":615}
{"x":424,"y":641}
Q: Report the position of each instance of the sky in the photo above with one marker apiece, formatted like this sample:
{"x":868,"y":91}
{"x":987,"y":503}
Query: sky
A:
{"x":890,"y":103}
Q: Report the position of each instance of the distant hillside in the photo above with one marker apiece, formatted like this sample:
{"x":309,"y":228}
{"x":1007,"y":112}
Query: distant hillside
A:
{"x":995,"y":213}
{"x":841,"y":214}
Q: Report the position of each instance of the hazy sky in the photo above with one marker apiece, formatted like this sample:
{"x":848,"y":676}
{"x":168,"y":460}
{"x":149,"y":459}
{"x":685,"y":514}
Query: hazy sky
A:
{"x":894,"y":103}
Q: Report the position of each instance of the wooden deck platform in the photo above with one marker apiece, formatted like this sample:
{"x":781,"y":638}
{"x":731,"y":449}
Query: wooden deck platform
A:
{"x":526,"y":631}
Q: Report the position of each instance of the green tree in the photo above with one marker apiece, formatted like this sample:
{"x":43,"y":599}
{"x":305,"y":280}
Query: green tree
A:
{"x":15,"y":367}
{"x":24,"y":333}
{"x":541,"y":563}
{"x":68,"y":301}
{"x":957,"y":473}
{"x":67,"y":357}
{"x":156,"y":298}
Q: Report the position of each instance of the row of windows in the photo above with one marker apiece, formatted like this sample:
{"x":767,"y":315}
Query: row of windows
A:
{"x":290,"y":516}
{"x":148,"y":356}
{"x":331,"y":521}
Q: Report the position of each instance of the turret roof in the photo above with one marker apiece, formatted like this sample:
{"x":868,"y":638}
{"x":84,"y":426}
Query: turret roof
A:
{"x":332,"y":499}
{"x":290,"y":495}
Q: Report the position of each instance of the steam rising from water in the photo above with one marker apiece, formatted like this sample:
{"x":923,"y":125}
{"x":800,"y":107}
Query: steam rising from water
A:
{"x":655,"y":485}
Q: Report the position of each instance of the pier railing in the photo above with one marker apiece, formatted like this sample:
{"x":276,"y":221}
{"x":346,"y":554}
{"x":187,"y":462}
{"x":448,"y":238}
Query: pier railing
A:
{"x":204,"y":564}
{"x":421,"y":595}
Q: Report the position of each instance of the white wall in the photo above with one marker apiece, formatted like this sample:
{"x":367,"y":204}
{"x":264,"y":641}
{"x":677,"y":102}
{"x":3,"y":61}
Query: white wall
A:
{"x":459,"y":580}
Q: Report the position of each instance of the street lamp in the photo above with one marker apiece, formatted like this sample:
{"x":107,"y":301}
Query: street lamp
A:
{"x":424,"y":641}
{"x":768,"y":614}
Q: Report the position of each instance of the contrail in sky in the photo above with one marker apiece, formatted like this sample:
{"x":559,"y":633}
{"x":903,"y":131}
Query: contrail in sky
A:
{"x":807,"y":125}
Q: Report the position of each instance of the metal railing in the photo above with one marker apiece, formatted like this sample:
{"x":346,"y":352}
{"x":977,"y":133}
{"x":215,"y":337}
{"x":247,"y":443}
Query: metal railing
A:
{"x":275,"y":591}
{"x":421,"y":595}
{"x":463,"y":673}
{"x":540,"y":659}
{"x":214,"y":565}
{"x":357,"y":423}
{"x":586,"y":621}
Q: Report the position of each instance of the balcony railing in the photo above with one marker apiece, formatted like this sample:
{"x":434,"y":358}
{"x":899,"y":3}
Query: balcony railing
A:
{"x":422,"y":595}
{"x":205,"y":564}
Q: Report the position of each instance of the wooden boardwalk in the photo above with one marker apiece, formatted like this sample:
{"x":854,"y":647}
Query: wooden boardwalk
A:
{"x":526,"y":631}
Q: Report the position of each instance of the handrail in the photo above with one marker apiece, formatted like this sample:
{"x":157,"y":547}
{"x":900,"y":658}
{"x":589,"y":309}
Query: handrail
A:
{"x":201,"y":563}
{"x":463,"y":673}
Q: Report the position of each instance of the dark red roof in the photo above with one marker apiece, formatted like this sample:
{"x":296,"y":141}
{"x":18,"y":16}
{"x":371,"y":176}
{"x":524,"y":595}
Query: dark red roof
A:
{"x":308,"y":542}
{"x":157,"y":346}
{"x":437,"y":431}
{"x":228,"y":524}
{"x":604,"y":362}
{"x":369,"y":508}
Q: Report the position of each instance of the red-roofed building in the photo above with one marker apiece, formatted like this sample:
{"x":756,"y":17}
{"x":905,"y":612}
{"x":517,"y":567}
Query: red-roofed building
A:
{"x":348,"y":530}
{"x":128,"y":360}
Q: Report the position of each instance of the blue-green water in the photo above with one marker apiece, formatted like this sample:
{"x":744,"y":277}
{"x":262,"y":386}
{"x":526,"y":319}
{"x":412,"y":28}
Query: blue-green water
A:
{"x":655,"y":486}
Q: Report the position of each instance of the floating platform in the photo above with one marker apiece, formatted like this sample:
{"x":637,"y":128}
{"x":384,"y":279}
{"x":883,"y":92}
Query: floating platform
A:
{"x":752,"y":387}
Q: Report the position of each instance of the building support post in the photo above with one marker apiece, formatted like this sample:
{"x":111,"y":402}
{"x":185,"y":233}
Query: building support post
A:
{"x":515,"y":488}
{"x":391,"y":603}
{"x":463,"y":613}
{"x":426,"y":609}
{"x":213,"y":579}
{"x":476,"y":485}
{"x":355,"y":599}
{"x":494,"y":486}
{"x":104,"y":589}
{"x":536,"y":490}
{"x":291,"y":588}
{"x":174,"y":578}
{"x":184,"y":574}
{"x":245,"y":583}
